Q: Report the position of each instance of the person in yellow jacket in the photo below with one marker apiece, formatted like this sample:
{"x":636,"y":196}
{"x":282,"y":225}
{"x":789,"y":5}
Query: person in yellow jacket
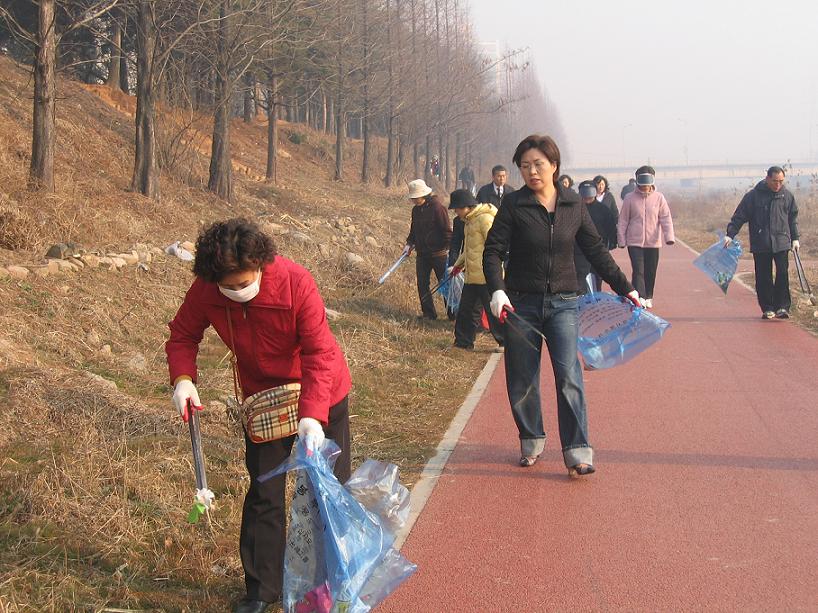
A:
{"x":478,"y":219}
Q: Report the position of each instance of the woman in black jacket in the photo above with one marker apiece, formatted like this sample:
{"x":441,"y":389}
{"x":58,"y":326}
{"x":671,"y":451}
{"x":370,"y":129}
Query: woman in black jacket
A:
{"x":605,"y":197}
{"x":538,"y":226}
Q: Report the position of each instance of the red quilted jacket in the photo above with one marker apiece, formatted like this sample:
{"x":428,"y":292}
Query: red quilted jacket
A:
{"x":281,"y":336}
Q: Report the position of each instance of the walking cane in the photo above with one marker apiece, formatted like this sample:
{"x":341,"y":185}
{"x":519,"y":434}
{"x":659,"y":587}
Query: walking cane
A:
{"x":204,"y":497}
{"x":802,"y":278}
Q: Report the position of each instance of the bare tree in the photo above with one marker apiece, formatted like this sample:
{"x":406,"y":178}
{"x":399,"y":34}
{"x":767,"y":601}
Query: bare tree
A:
{"x":45,"y":41}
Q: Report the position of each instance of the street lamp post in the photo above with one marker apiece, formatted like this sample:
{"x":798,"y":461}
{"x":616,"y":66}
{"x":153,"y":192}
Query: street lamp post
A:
{"x":687,"y":157}
{"x":624,"y":157}
{"x":811,"y":151}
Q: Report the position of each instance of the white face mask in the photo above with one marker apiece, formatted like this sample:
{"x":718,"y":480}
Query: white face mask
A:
{"x":245,"y":294}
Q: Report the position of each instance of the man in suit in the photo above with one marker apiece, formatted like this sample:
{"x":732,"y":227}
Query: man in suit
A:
{"x":493,"y":192}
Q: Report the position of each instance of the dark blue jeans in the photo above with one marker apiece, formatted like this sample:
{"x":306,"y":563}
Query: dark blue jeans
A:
{"x":555,"y":316}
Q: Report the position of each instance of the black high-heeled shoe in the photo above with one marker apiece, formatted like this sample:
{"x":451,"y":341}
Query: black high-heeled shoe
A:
{"x":580,"y":470}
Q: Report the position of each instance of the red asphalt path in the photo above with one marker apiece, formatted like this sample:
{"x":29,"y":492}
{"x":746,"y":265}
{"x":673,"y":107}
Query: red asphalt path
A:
{"x":706,"y":491}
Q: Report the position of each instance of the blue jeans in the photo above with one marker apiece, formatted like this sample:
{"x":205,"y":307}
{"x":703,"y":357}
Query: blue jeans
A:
{"x":554,"y":315}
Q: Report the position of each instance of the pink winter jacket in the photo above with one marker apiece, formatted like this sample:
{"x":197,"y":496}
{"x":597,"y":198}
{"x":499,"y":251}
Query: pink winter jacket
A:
{"x":643,"y":219}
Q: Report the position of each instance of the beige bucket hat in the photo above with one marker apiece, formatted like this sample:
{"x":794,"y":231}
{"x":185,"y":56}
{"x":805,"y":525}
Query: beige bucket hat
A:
{"x":418,"y":189}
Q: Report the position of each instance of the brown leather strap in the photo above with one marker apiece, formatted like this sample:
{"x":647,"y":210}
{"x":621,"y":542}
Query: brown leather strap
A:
{"x":234,"y":362}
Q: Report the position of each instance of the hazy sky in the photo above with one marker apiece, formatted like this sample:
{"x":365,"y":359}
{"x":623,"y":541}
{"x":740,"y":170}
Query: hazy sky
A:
{"x":735,"y":81}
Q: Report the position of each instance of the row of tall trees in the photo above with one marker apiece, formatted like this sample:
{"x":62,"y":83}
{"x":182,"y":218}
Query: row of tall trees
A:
{"x":407,"y":71}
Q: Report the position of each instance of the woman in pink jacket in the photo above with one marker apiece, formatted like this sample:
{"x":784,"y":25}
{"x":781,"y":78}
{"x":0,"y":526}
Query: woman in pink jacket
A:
{"x":643,"y":222}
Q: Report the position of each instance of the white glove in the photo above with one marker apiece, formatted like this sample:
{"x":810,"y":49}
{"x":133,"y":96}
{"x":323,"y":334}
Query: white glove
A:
{"x":205,"y":497}
{"x":311,"y":433}
{"x":183,"y":392}
{"x":796,"y":245}
{"x":634,"y":298}
{"x":499,"y":304}
{"x":727,"y":240}
{"x":407,"y":250}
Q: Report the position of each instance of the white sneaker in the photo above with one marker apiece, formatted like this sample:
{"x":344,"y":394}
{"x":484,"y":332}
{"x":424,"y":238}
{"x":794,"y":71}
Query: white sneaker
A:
{"x":648,"y":303}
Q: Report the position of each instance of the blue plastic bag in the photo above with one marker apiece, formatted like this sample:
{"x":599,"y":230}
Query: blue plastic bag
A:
{"x":719,"y":262}
{"x":339,"y":555}
{"x":451,"y":290}
{"x":613,"y":331}
{"x":455,"y":292}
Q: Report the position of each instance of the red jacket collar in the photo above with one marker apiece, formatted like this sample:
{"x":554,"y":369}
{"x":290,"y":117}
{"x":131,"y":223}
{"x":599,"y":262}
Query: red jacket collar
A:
{"x":275,"y":292}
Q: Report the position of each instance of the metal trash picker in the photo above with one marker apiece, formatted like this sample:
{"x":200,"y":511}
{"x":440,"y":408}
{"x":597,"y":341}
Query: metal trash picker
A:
{"x":802,"y":278}
{"x":393,"y":268}
{"x":203,"y":497}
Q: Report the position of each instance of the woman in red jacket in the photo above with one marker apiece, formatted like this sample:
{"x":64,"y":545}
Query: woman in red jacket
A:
{"x":279,"y":335}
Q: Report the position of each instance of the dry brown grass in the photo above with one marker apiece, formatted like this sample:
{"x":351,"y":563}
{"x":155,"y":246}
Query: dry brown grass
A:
{"x":95,"y":483}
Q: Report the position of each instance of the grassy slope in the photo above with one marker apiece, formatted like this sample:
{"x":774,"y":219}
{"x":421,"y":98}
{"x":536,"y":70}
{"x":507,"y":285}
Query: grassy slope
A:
{"x":94,"y":483}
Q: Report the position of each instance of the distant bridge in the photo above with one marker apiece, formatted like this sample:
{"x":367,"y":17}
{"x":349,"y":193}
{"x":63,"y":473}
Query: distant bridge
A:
{"x":697,"y":175}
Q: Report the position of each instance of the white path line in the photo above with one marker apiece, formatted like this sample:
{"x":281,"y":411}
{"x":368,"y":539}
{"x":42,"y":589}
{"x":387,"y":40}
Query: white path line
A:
{"x":434,"y":467}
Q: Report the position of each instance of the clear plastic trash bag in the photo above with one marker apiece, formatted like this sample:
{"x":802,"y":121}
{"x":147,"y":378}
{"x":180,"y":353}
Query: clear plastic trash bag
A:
{"x":613,"y":331}
{"x":376,"y":486}
{"x":451,"y":290}
{"x":339,"y":556}
{"x":719,"y":262}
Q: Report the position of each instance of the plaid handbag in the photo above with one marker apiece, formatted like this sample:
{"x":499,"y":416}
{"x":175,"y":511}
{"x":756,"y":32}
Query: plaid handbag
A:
{"x":270,"y":414}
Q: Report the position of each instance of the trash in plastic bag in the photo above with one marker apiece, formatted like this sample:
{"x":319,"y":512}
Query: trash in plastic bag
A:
{"x":719,"y":262}
{"x":375,"y":485}
{"x":338,"y":554}
{"x":179,"y":251}
{"x":452,"y":289}
{"x":613,"y":331}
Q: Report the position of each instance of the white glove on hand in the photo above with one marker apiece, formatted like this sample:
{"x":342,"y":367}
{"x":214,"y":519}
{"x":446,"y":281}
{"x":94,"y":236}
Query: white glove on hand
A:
{"x":407,"y":250}
{"x":727,"y":240}
{"x":634,"y":298}
{"x":796,"y":245}
{"x":499,"y":303}
{"x":311,"y":433}
{"x":183,"y":392}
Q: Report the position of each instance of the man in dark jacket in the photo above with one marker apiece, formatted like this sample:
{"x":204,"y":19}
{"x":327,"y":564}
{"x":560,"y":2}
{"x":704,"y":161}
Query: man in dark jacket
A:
{"x":493,"y":192}
{"x":466,"y":177}
{"x":430,"y":234}
{"x":630,"y":187}
{"x":772,"y":214}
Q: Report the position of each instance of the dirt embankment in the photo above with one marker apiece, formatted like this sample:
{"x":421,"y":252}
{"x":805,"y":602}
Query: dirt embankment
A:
{"x":95,"y":476}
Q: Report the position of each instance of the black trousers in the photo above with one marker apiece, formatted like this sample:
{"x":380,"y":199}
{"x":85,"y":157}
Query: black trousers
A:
{"x":644,"y":262}
{"x":263,"y":526}
{"x":773,"y":295}
{"x":424,"y":265}
{"x":474,"y":299}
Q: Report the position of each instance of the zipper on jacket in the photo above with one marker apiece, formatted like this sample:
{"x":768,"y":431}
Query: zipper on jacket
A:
{"x":645,"y":220}
{"x":550,"y":250}
{"x":244,"y":310}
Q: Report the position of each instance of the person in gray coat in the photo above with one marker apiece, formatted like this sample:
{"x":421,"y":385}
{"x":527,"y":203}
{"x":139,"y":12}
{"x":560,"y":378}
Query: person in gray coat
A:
{"x":772,"y":214}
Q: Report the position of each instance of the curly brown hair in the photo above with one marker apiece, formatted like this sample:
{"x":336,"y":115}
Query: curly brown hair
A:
{"x":229,"y":246}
